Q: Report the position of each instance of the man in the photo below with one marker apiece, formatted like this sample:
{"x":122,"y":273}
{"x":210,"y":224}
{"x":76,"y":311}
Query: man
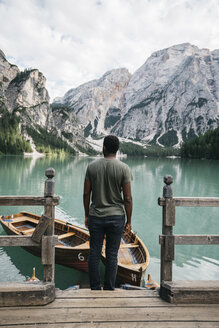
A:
{"x":106,"y":180}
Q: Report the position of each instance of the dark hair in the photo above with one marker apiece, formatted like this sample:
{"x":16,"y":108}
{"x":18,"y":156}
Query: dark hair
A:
{"x":111,"y":143}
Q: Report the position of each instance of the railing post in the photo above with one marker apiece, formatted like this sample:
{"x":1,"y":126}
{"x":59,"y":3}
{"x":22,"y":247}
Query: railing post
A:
{"x":167,"y":244}
{"x":48,"y":249}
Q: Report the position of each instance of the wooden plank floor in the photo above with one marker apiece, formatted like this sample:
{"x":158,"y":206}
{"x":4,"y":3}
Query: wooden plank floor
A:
{"x":111,"y":309}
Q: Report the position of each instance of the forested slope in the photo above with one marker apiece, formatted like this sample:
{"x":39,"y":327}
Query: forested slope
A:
{"x":204,"y":146}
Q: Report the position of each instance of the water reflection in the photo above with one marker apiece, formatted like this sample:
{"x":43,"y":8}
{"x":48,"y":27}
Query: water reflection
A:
{"x":21,"y":264}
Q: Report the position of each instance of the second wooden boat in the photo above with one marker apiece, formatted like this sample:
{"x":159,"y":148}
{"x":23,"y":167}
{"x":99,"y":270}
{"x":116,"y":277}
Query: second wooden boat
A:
{"x":72,"y":249}
{"x":133,"y":259}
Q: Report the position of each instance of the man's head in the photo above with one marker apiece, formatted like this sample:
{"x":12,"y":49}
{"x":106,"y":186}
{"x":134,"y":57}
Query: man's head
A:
{"x":110,"y":144}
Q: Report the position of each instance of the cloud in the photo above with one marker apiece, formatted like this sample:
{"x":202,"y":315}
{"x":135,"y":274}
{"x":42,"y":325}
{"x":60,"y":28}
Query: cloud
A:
{"x":73,"y":41}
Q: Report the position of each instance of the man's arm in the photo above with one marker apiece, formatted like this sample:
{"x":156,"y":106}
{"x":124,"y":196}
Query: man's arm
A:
{"x":86,"y":200}
{"x":127,"y":195}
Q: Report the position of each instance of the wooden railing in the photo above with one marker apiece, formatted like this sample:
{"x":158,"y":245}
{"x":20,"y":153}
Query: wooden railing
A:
{"x":44,"y":232}
{"x":168,"y":240}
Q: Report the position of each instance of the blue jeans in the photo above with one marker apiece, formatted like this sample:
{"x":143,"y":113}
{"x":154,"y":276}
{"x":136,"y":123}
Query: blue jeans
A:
{"x":112,"y":227}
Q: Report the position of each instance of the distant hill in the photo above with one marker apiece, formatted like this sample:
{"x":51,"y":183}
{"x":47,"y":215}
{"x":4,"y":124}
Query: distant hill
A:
{"x":204,"y":146}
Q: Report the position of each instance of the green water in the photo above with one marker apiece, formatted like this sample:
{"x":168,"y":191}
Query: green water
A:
{"x":25,"y":176}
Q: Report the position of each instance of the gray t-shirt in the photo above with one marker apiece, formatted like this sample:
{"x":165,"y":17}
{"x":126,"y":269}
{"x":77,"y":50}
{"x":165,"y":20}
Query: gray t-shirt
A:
{"x":107,"y":176}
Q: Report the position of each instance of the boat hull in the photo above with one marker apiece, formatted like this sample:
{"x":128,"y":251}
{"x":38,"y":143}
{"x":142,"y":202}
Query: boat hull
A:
{"x":67,"y":256}
{"x":73,"y":251}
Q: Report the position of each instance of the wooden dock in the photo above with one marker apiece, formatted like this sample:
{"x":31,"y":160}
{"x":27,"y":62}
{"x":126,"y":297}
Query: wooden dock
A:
{"x":84,"y":308}
{"x":191,"y":303}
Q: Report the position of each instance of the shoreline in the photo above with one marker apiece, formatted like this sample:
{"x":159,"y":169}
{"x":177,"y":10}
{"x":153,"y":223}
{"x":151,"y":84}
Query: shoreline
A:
{"x":34,"y":154}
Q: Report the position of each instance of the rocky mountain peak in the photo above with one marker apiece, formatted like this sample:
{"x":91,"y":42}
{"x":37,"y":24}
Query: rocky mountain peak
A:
{"x":172,"y":96}
{"x":24,"y":99}
{"x":7,"y":73}
{"x":27,"y":90}
{"x":95,"y":101}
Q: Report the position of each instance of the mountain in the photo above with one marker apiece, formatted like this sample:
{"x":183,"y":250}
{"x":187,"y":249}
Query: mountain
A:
{"x":173,"y":97}
{"x":97,"y":103}
{"x":24,"y":93}
{"x":26,"y":114}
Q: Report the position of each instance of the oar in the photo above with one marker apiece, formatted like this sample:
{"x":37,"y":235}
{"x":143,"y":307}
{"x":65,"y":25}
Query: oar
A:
{"x":71,"y":224}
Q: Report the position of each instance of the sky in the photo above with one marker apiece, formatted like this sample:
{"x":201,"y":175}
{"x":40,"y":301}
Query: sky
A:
{"x":74,"y":41}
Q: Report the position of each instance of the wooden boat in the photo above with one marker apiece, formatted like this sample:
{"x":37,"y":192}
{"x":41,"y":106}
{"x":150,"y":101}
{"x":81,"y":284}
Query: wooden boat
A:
{"x":72,"y":249}
{"x":133,"y":259}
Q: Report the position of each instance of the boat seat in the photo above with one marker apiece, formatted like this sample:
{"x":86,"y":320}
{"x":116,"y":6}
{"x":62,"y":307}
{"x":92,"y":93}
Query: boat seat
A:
{"x":132,"y":266}
{"x":28,"y":231}
{"x":23,"y":219}
{"x":125,"y":245}
{"x":82,"y":246}
{"x":128,"y":245}
{"x":18,"y":219}
{"x":66,"y":235}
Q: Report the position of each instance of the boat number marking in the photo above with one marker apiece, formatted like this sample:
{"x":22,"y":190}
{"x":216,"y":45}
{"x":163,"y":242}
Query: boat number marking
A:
{"x":133,"y":277}
{"x":80,"y":257}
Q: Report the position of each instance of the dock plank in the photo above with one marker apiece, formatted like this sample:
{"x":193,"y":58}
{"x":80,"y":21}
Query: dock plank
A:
{"x":124,"y":325}
{"x":106,"y":293}
{"x":102,"y":303}
{"x":76,"y":315}
{"x":111,"y":309}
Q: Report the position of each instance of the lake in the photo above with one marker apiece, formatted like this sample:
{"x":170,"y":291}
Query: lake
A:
{"x":192,"y":178}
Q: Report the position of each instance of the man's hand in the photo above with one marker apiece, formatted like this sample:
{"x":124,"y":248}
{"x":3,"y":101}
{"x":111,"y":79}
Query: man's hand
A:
{"x":86,"y":222}
{"x":127,"y":195}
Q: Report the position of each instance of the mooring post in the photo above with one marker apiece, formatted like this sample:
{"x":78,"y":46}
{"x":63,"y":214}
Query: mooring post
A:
{"x":167,"y":241}
{"x":48,"y":249}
